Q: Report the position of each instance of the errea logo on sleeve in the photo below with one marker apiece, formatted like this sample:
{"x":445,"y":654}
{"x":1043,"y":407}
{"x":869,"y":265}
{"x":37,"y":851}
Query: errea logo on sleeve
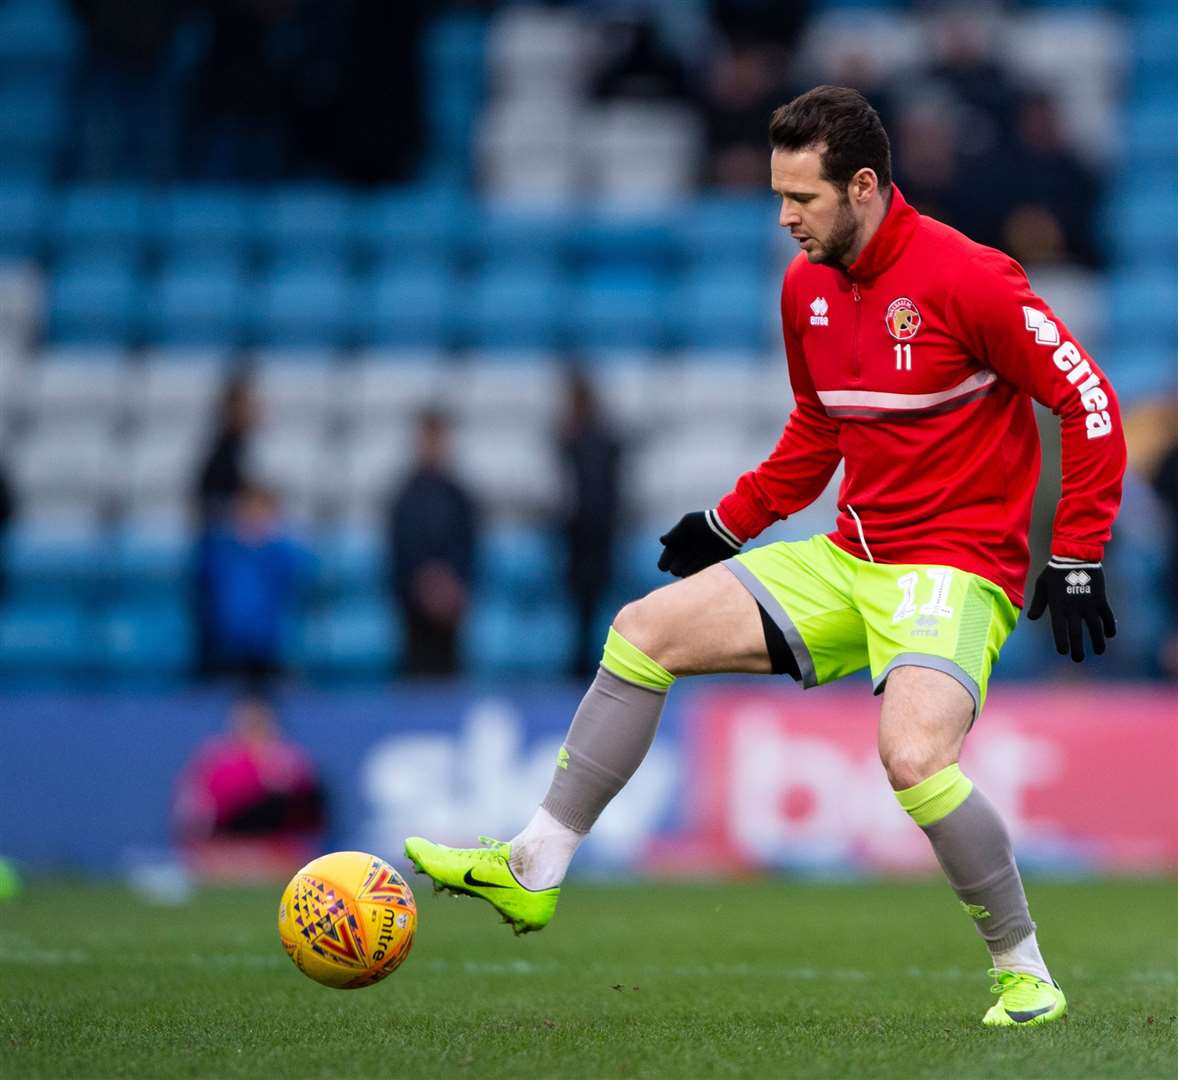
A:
{"x":1068,"y":359}
{"x":819,"y":307}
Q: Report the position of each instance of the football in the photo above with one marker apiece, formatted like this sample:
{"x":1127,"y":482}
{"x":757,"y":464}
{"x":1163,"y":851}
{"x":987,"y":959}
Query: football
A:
{"x":347,"y":919}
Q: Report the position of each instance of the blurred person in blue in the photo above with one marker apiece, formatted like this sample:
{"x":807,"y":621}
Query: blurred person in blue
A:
{"x":250,"y":573}
{"x":432,"y":527}
{"x":249,"y":803}
{"x":591,"y":456}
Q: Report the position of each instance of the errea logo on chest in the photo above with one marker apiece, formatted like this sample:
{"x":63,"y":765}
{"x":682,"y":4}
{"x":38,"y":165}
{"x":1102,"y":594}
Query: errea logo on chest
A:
{"x":819,"y":307}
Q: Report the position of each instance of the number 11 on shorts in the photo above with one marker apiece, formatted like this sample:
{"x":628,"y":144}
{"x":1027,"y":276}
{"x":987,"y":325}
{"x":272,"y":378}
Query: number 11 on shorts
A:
{"x":941,"y":577}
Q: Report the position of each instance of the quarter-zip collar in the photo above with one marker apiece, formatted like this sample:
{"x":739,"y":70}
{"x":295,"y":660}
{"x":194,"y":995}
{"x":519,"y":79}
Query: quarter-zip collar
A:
{"x":890,"y":239}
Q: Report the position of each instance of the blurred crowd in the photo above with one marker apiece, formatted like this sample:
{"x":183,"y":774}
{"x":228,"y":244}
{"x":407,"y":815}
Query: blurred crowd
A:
{"x":267,"y":91}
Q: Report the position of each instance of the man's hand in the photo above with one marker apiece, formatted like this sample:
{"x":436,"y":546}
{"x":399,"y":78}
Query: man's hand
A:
{"x":1074,"y":591}
{"x":699,"y":540}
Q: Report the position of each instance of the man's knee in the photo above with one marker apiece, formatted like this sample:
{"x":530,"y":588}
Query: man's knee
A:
{"x":908,"y":765}
{"x":639,"y":622}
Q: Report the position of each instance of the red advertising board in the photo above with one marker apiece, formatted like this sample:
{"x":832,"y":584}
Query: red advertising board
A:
{"x":1086,"y":778}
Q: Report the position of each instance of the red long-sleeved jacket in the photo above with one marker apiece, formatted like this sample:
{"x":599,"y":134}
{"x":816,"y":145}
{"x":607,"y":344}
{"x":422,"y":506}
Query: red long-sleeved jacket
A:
{"x":916,"y":366}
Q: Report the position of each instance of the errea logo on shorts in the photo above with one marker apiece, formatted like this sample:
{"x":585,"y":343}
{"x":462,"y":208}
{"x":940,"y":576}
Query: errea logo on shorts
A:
{"x":819,"y":307}
{"x":1068,"y":359}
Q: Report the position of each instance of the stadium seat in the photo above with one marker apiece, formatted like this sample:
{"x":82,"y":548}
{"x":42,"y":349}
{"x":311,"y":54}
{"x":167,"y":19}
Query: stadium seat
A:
{"x":150,"y":640}
{"x":178,"y":384}
{"x":47,"y":562}
{"x":298,"y":387}
{"x":208,"y":221}
{"x":44,"y":640}
{"x":198,"y":302}
{"x":519,"y":305}
{"x":727,"y":229}
{"x":386,"y":386}
{"x":520,"y":562}
{"x":74,"y":461}
{"x":32,"y":128}
{"x":722,"y":306}
{"x":411,"y":223}
{"x":95,"y":301}
{"x":302,"y":223}
{"x":68,"y":384}
{"x":615,"y":310}
{"x":518,"y":386}
{"x":352,"y":562}
{"x":24,"y":206}
{"x":506,"y":639}
{"x":162,"y":459}
{"x":408,"y":305}
{"x":505,"y":235}
{"x":358,"y":637}
{"x":305,"y":306}
{"x":522,"y":475}
{"x":110,"y":220}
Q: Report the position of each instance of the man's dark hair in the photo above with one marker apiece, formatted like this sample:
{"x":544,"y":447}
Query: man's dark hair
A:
{"x":843,"y":122}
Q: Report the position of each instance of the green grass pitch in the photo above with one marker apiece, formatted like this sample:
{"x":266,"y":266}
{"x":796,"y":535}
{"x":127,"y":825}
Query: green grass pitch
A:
{"x":768,"y":978}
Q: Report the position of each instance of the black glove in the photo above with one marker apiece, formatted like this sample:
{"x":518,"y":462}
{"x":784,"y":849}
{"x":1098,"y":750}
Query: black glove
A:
{"x":1074,"y":590}
{"x":699,"y":540}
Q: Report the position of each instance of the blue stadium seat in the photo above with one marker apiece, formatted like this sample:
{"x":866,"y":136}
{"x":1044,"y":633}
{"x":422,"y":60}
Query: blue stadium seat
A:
{"x":521,"y":563}
{"x":111,"y":219}
{"x":513,"y":306}
{"x":1146,"y":302}
{"x":352,"y":562}
{"x":37,"y":33}
{"x":721,"y":306}
{"x":23,"y":210}
{"x":727,"y":229}
{"x":502,"y":638}
{"x":149,"y":563}
{"x":306,"y":222}
{"x":408,"y":305}
{"x":502,"y":234}
{"x":1143,"y":219}
{"x":40,"y":639}
{"x":412,"y":223}
{"x":618,"y":310}
{"x":199,"y":302}
{"x":358,"y":637}
{"x":32,"y":128}
{"x":153,"y":641}
{"x":94,"y":301}
{"x":310,"y":305}
{"x":47,"y":563}
{"x":622,"y":242}
{"x":207,"y":220}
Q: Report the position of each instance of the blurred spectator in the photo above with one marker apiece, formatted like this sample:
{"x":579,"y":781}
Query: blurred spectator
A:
{"x":745,"y":84}
{"x":295,"y":88}
{"x":1151,"y":430}
{"x":223,"y":474}
{"x":591,"y":455}
{"x":249,"y":804}
{"x":249,"y":576}
{"x":126,"y":101}
{"x":635,"y":65}
{"x":1052,"y":193}
{"x":432,"y":527}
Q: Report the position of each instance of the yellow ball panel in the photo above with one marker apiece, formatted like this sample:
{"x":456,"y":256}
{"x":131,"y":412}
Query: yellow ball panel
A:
{"x":347,"y":919}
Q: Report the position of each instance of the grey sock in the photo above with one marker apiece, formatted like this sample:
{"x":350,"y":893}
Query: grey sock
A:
{"x":611,"y":732}
{"x":973,"y":848}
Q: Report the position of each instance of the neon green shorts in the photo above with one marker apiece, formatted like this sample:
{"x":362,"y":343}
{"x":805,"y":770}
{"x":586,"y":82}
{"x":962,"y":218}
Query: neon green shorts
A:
{"x":840,"y":614}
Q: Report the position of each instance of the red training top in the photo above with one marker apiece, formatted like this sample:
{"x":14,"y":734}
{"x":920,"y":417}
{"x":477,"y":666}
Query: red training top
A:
{"x":917,"y":366}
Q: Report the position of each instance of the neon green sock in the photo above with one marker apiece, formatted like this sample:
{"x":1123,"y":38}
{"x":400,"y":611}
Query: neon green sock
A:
{"x":628,"y":662}
{"x":936,"y":797}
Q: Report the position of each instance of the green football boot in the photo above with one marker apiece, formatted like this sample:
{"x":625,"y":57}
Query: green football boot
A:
{"x":1023,"y":1000}
{"x":484,"y":872}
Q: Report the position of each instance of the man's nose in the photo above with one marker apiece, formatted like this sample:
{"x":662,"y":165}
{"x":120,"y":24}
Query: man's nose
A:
{"x":789,"y":217}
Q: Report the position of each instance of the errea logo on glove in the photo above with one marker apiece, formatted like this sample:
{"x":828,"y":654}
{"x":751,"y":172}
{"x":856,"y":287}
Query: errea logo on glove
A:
{"x":1078,"y":582}
{"x":1080,"y":374}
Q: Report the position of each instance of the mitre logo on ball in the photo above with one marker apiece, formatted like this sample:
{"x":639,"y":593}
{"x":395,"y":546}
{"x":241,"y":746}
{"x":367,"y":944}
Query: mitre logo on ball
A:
{"x":902,"y":319}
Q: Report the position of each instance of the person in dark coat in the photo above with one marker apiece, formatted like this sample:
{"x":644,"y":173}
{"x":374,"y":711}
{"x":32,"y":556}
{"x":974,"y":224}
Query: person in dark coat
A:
{"x":432,"y":533}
